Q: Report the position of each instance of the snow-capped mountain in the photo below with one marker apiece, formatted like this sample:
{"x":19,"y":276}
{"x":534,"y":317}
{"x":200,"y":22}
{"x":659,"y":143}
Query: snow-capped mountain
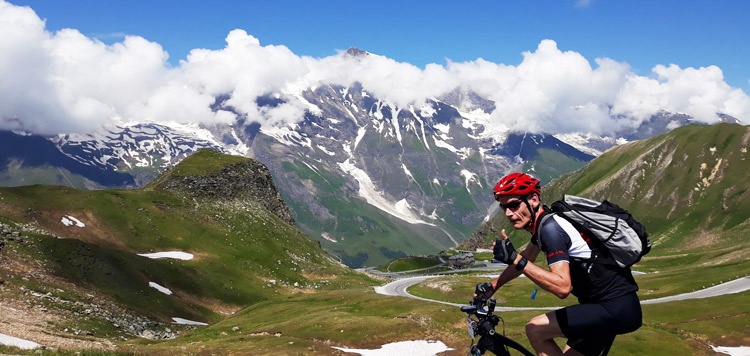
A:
{"x":368,"y":179}
{"x":142,"y":149}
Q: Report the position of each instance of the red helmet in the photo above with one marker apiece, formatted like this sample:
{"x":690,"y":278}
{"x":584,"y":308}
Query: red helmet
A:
{"x":517,"y":184}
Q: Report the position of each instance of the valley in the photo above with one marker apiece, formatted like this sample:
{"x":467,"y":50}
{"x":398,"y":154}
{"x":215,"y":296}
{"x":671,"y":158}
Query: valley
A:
{"x":239,"y":278}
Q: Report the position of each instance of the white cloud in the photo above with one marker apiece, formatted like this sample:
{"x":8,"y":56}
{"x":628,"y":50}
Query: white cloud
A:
{"x":701,"y":93}
{"x":67,"y":82}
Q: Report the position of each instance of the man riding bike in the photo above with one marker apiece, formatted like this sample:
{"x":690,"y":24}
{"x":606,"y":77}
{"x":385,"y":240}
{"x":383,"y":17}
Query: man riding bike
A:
{"x":607,"y":295}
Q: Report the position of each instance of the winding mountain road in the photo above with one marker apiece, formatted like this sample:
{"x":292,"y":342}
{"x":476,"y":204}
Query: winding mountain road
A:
{"x":399,"y":288}
{"x":735,"y":286}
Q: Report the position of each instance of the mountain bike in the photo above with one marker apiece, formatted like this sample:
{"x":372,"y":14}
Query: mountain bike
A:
{"x":481,"y":322}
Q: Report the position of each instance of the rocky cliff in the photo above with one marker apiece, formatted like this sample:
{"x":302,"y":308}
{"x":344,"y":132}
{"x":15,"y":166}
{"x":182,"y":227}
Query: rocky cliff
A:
{"x":243,"y":182}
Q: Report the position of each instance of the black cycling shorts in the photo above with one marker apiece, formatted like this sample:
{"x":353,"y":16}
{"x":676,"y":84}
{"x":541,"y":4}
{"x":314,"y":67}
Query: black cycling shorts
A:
{"x":591,"y":327}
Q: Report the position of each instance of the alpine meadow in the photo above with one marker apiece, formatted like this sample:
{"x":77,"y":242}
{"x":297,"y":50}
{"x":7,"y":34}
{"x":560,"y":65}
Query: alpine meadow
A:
{"x":79,"y":273}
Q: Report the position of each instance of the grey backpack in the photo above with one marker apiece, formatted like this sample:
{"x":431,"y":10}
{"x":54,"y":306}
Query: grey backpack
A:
{"x":611,"y":230}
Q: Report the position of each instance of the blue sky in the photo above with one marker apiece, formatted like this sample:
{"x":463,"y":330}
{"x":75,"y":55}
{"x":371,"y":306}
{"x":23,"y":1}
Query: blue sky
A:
{"x":643,"y":33}
{"x":549,"y":66}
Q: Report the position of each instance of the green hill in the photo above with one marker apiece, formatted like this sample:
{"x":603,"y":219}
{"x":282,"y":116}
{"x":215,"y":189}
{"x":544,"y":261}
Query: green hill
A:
{"x":221,"y":209}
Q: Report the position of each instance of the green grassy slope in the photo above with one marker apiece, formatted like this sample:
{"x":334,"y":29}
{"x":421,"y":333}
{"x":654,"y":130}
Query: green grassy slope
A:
{"x":244,"y":254}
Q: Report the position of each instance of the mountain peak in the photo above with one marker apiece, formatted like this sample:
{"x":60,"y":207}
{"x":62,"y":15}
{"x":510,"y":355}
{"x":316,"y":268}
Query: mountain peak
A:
{"x":356,"y":52}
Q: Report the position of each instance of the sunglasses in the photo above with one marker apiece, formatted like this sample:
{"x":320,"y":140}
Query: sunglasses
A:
{"x":513,"y":206}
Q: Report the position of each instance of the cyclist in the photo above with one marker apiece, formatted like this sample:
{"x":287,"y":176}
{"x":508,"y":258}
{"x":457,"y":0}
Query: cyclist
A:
{"x":608,"y":303}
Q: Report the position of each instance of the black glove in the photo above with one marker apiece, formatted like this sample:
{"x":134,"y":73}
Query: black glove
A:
{"x":482,"y":292}
{"x":484,"y":289}
{"x":504,"y":251}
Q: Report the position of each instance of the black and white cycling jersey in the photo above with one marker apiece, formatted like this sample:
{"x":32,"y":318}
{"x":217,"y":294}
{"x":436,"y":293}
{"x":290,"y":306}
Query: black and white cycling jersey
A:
{"x":562,"y":243}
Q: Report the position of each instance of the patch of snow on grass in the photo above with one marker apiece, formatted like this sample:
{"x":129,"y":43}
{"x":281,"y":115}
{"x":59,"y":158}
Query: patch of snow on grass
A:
{"x":412,"y":348}
{"x":160,"y":288}
{"x":22,"y":344}
{"x":68,"y":220}
{"x":169,"y":254}
{"x":734,"y":351}
{"x":187,"y":322}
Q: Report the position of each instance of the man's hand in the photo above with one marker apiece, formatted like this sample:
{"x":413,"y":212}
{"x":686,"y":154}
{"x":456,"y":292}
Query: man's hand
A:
{"x":482,"y":292}
{"x":503,"y":250}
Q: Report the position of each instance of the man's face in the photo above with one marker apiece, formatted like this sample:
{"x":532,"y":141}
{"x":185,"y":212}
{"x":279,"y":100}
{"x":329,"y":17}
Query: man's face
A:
{"x":516,"y":210}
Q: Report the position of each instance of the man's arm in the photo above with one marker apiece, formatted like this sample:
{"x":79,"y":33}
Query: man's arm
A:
{"x":556,"y":280}
{"x":530,"y":253}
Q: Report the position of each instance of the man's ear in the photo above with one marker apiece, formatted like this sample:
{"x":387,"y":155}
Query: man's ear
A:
{"x":535,"y":201}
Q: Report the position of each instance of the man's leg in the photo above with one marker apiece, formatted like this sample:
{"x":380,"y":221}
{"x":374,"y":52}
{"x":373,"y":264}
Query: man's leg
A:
{"x":590,"y":328}
{"x":592,"y":346}
{"x":571,"y":352}
{"x":541,"y":331}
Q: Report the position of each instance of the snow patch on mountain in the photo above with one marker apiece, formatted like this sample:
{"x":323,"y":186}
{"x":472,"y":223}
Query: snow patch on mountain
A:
{"x":445,"y":145}
{"x":470,"y":178}
{"x":287,"y":135}
{"x":372,"y":196}
{"x":18,"y":342}
{"x":443,"y":128}
{"x":481,"y":127}
{"x":312,"y":168}
{"x":394,"y":122}
{"x":241,"y":147}
{"x":326,"y":151}
{"x":142,"y":144}
{"x":360,"y":134}
{"x":312,"y":108}
{"x":422,"y":131}
{"x":188,"y":322}
{"x":408,"y":172}
{"x":585,"y":142}
{"x":463,"y":152}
